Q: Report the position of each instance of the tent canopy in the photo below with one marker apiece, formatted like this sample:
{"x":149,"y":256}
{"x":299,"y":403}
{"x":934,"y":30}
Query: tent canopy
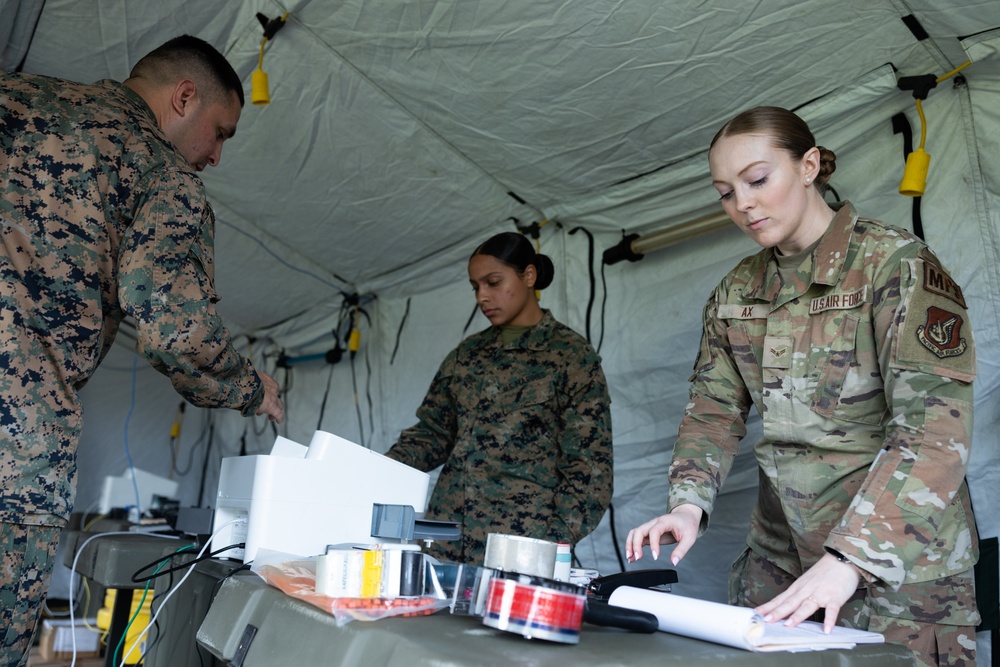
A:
{"x":401,"y":133}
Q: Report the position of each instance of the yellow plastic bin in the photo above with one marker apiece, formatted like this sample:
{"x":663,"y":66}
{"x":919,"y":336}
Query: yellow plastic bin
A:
{"x":135,"y":628}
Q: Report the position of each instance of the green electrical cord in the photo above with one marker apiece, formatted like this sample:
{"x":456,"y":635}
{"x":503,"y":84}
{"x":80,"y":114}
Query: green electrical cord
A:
{"x":145,"y":591}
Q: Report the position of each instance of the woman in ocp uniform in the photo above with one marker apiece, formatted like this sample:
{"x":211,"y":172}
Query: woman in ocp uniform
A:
{"x":853,"y":344}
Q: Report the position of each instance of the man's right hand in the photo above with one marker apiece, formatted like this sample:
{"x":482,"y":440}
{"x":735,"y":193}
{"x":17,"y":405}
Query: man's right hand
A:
{"x":271,"y":405}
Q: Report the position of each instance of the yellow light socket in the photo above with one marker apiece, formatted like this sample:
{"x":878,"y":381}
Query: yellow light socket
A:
{"x":915,"y":175}
{"x":259,"y":93}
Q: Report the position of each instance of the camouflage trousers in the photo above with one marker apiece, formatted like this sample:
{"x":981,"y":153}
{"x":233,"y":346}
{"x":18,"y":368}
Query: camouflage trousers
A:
{"x":26,"y":558}
{"x":935,"y":619}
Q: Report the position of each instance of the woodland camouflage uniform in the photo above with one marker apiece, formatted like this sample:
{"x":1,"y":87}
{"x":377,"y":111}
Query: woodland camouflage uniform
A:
{"x":101,"y":216}
{"x":860,"y":364}
{"x":524,"y":433}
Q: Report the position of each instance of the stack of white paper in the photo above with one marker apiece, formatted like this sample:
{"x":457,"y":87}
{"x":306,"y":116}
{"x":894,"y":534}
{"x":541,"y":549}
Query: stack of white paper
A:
{"x":740,"y":627}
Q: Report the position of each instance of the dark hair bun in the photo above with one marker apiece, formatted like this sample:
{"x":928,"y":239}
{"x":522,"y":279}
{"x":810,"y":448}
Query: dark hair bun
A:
{"x":827,"y":165}
{"x":545,"y":270}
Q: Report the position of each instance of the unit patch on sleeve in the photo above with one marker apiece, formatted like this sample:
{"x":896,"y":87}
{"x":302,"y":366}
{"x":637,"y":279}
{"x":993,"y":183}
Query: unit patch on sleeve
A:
{"x":941,"y":333}
{"x":934,"y":333}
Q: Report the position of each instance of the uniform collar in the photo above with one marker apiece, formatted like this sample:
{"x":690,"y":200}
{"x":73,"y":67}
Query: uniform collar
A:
{"x":828,"y":259}
{"x":130,"y":96}
{"x":536,"y":338}
{"x":830,"y":255}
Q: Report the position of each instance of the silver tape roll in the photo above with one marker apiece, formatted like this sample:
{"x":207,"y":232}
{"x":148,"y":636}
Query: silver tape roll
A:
{"x":525,"y":555}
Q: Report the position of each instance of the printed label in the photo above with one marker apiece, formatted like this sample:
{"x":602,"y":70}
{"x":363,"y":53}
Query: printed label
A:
{"x":732,"y":311}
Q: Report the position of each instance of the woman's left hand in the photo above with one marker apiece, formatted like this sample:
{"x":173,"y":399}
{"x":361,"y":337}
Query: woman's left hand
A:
{"x":826,"y":585}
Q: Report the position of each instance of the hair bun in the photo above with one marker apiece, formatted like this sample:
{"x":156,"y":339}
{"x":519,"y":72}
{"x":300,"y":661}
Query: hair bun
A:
{"x":545,"y":270}
{"x":827,"y":164}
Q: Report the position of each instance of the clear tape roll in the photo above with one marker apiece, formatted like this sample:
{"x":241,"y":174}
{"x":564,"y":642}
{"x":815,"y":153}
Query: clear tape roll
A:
{"x":524,"y":555}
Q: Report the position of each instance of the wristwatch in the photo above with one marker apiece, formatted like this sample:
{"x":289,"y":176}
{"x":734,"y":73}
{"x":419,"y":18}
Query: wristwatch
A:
{"x":839,"y":556}
{"x":866,"y":576}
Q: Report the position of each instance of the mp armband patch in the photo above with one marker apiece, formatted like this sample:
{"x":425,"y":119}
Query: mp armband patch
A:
{"x":938,"y":281}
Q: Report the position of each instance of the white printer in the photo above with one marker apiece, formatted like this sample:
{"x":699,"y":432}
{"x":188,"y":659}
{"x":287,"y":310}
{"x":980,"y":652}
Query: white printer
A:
{"x":298,"y":499}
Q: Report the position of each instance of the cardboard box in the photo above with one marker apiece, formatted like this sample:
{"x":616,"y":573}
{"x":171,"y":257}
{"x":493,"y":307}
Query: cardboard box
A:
{"x":56,"y":640}
{"x":36,"y":660}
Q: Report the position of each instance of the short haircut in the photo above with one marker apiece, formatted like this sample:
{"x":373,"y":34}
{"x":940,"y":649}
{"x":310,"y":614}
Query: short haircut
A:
{"x":188,"y":57}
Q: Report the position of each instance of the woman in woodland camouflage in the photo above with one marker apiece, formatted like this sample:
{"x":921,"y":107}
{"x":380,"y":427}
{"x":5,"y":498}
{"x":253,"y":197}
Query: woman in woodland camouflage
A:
{"x":518,"y":415}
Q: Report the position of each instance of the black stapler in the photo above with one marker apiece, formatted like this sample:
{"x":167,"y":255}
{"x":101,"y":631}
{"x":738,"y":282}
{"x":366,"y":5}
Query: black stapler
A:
{"x":598,"y":612}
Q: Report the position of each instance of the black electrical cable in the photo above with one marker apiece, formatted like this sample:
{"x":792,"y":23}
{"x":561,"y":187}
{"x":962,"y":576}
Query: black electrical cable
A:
{"x":901,"y":125}
{"x":341,"y":317}
{"x":23,"y":30}
{"x":152,"y":613}
{"x":368,"y":378}
{"x":326,"y":395}
{"x":197,"y":443}
{"x":604,"y":303}
{"x":590,"y":269}
{"x":150,"y":645}
{"x":399,"y":332}
{"x":287,"y":384}
{"x":357,"y":403}
{"x":368,"y":393}
{"x":141,"y":580}
{"x":614,"y":536}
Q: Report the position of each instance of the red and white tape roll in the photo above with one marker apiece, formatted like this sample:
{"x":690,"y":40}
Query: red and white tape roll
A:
{"x":535,"y":607}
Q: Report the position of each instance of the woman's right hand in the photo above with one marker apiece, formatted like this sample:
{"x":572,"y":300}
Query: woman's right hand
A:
{"x":680,"y":527}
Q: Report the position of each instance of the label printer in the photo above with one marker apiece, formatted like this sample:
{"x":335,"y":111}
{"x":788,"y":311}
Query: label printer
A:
{"x":300,"y":500}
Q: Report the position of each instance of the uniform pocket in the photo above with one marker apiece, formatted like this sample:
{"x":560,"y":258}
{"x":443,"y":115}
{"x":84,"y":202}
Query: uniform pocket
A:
{"x":940,"y":460}
{"x":830,"y":365}
{"x":746,"y":356}
{"x":846,"y":386}
{"x":528,"y":428}
{"x":530,"y":395}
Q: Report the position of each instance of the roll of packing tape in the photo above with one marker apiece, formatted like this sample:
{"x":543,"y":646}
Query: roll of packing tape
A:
{"x":535,"y":607}
{"x":524,"y":555}
{"x":411,"y":576}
